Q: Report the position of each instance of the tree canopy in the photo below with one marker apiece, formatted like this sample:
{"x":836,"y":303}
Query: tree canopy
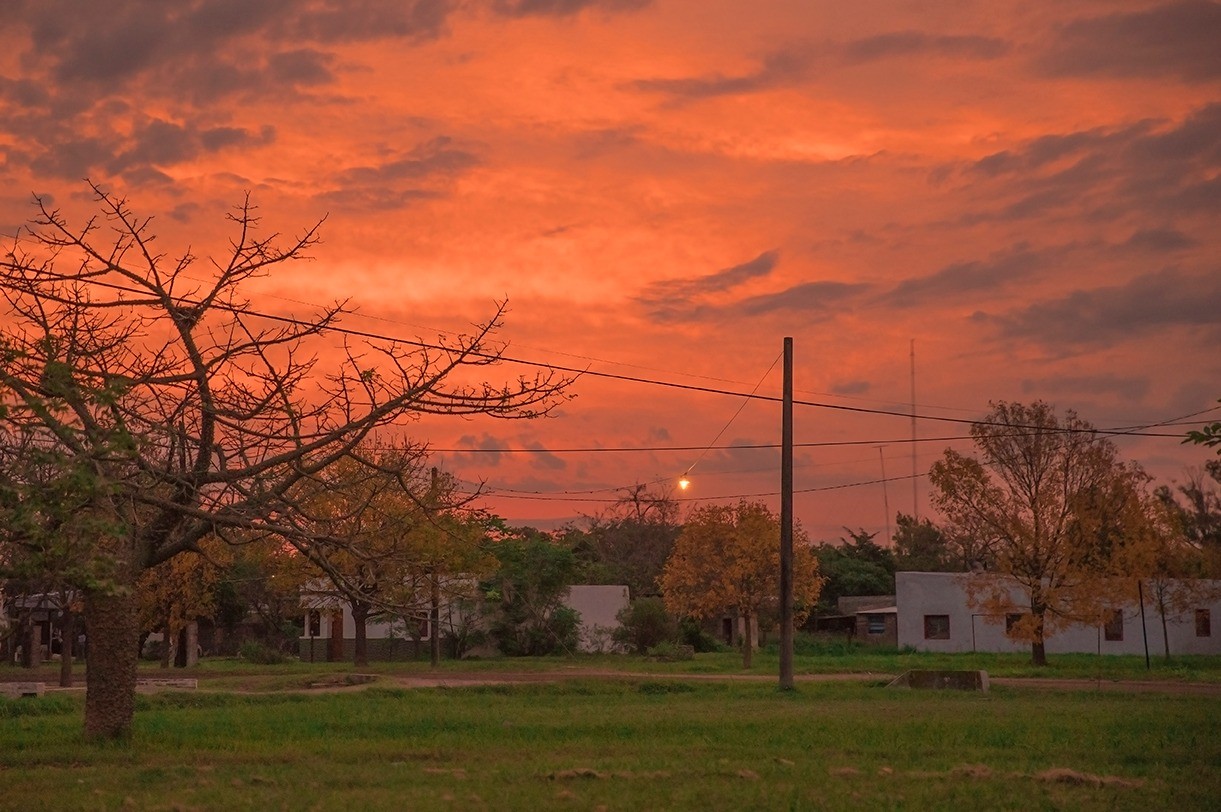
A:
{"x":1047,"y":497}
{"x":184,"y":411}
{"x":727,"y":559}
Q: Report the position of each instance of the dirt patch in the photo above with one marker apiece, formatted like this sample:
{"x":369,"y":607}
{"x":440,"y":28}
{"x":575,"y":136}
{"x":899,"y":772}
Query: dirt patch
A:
{"x":1063,"y":775}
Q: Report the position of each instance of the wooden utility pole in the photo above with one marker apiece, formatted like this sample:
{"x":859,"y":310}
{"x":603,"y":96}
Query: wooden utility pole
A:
{"x":915,"y":469}
{"x":434,"y":598}
{"x":786,"y":523}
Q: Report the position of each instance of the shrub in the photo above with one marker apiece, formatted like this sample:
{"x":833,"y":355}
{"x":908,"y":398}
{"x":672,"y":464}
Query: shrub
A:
{"x":255,"y":652}
{"x":644,"y":624}
{"x":671,"y":652}
{"x":690,"y":633}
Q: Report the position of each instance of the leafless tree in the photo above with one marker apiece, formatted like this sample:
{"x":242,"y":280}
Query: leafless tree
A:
{"x":189,"y":412}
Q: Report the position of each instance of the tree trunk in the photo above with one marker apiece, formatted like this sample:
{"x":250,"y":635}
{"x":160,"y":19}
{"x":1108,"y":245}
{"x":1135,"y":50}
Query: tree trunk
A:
{"x":67,"y":634}
{"x":31,"y":647}
{"x":180,"y":648}
{"x":334,"y":645}
{"x":360,"y":647}
{"x":114,"y":634}
{"x":1165,"y":634}
{"x":748,"y":640}
{"x":167,"y":649}
{"x":1038,"y":650}
{"x":192,"y":644}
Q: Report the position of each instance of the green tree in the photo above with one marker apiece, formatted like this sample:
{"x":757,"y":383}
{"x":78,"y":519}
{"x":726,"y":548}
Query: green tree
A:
{"x":1208,"y":436}
{"x":528,"y":591}
{"x":854,"y":566}
{"x":1046,"y":498}
{"x":188,"y":413}
{"x":925,"y":547}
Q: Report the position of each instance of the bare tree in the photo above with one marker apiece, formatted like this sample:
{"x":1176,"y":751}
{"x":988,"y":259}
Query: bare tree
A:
{"x":188,"y":412}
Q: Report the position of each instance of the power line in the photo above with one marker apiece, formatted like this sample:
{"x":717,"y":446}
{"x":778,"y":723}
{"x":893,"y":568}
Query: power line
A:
{"x":819,"y":489}
{"x":500,"y":357}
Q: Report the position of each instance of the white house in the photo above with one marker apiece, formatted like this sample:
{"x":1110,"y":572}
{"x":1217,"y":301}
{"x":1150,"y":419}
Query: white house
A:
{"x":935,"y":615}
{"x":329,"y":629}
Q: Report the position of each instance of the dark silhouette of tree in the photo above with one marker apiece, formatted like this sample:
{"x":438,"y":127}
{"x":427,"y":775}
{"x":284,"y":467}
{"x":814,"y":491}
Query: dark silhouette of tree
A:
{"x":629,"y":543}
{"x":184,"y":412}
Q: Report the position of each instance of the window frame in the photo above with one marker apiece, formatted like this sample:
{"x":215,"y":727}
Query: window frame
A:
{"x":936,"y":627}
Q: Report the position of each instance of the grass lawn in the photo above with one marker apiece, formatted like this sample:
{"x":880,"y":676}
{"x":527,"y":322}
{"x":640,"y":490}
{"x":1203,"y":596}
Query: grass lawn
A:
{"x":623,"y":743}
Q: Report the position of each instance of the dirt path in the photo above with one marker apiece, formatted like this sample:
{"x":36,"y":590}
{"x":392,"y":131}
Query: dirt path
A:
{"x":460,"y":679}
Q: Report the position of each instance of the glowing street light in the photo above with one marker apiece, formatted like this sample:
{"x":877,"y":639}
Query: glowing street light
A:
{"x":683,"y":482}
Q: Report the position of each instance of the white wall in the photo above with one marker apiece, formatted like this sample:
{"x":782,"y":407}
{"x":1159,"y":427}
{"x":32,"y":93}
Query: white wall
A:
{"x":943,"y":593}
{"x":598,"y":606}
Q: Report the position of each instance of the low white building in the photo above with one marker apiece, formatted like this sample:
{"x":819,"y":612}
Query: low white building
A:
{"x":330,"y":630}
{"x":934,"y":614}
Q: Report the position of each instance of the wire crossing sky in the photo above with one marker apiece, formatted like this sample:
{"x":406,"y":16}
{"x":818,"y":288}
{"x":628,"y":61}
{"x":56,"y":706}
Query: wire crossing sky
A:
{"x":663,"y":189}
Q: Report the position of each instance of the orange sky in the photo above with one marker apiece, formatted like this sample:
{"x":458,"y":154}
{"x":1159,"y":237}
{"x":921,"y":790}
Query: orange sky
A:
{"x":1029,"y":190}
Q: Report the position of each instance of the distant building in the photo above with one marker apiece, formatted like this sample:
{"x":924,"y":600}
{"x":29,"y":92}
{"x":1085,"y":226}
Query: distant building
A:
{"x":933,"y":614}
{"x":330,"y":631}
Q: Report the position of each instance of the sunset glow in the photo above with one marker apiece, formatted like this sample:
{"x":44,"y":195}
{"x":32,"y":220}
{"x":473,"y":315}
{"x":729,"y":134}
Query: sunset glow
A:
{"x":664,"y":189}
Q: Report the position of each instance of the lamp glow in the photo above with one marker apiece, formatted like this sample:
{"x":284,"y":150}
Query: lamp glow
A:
{"x":683,"y":483}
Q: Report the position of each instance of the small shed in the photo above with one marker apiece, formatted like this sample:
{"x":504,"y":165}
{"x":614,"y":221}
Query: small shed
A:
{"x":878,"y":626}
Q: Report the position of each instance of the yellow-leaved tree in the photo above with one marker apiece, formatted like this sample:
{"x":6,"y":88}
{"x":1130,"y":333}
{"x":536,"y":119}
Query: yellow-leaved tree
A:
{"x":727,"y":559}
{"x":1051,"y":502}
{"x":179,"y":592}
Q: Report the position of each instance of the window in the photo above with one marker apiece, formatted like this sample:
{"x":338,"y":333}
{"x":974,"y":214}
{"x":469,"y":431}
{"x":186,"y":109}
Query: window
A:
{"x":936,"y":627}
{"x":875,"y":624}
{"x":1204,"y":626}
{"x":315,"y":624}
{"x":1113,"y":630}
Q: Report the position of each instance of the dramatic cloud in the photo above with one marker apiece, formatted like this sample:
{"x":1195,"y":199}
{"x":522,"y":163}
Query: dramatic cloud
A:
{"x":670,"y":299}
{"x":1160,"y":240}
{"x":490,"y":448}
{"x":965,"y":279}
{"x":664,"y":189}
{"x":564,"y":8}
{"x":1177,"y":39}
{"x":423,"y":173}
{"x":1132,"y":389}
{"x":918,"y":43}
{"x":789,"y":66}
{"x":810,"y":297}
{"x":1165,"y":299}
{"x":1161,"y":169}
{"x":543,"y":460}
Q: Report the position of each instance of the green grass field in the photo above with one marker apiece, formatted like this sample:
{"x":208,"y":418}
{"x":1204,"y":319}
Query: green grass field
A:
{"x":618,"y":743}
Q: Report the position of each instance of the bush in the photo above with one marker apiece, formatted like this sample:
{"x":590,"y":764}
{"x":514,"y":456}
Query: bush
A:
{"x":690,"y":633}
{"x":644,"y":624}
{"x":555,"y":634}
{"x":255,"y":652}
{"x":671,"y":652}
